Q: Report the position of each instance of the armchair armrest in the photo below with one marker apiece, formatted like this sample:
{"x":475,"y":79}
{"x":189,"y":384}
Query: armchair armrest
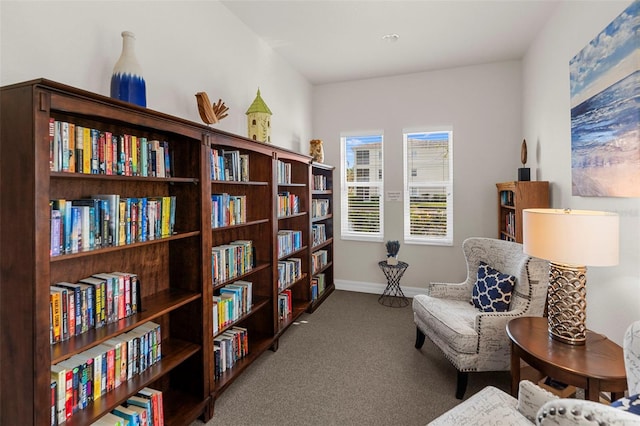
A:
{"x":531,"y":397}
{"x":567,"y":411}
{"x":459,"y":291}
{"x":494,"y":347}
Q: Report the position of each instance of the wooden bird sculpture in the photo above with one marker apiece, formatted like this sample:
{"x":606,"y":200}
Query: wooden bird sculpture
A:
{"x":210,"y":113}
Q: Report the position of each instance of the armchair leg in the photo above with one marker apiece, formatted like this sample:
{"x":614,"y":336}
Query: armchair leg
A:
{"x":419,"y":338}
{"x":463,"y":377}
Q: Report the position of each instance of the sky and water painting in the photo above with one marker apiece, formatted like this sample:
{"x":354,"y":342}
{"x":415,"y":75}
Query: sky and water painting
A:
{"x":605,"y":111}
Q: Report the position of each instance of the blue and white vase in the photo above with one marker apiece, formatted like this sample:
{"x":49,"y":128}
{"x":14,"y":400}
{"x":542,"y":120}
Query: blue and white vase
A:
{"x":127,"y":83}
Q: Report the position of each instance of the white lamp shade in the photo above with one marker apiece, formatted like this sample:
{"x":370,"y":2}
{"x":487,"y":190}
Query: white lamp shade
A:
{"x":571,"y":237}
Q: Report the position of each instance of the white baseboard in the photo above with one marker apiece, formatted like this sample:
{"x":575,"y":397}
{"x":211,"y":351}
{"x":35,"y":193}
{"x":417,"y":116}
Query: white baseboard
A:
{"x":374,"y":288}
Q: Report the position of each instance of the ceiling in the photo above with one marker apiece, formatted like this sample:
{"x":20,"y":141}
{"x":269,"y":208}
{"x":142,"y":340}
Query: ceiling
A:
{"x":339,"y":40}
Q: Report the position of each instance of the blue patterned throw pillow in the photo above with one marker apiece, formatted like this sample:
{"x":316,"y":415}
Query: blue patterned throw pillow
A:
{"x":492,"y":290}
{"x":630,"y":404}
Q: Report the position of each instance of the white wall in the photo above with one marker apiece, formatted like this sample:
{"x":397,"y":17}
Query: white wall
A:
{"x":183,"y":47}
{"x":482,"y":103}
{"x":613,"y":293}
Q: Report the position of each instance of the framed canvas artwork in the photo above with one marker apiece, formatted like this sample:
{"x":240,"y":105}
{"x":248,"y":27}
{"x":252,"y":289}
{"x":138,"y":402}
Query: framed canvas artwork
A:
{"x":605,"y":111}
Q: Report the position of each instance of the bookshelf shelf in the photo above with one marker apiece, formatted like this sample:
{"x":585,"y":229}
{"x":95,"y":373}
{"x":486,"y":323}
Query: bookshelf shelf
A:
{"x":513,"y":197}
{"x":102,"y":177}
{"x":154,"y":307}
{"x":103,"y":250}
{"x":174,"y":353}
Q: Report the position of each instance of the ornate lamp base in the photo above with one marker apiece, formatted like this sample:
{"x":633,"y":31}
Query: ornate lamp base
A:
{"x":567,"y":303}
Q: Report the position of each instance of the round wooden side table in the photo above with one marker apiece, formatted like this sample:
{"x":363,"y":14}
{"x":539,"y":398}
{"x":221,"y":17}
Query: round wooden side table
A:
{"x":596,"y":366}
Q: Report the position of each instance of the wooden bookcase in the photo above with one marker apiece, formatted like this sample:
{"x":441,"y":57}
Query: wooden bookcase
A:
{"x":257,"y":227}
{"x":513,"y":197}
{"x":175,"y":271}
{"x":170,"y":269}
{"x":291,"y":238}
{"x":321,"y":185}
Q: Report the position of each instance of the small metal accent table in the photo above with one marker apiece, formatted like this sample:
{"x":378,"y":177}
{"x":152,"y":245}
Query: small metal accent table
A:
{"x":393,"y":295}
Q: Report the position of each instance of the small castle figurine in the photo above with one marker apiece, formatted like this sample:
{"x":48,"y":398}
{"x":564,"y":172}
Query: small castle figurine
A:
{"x":259,"y":120}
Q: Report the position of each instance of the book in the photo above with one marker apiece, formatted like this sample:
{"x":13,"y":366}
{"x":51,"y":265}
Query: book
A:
{"x":129,"y":415}
{"x":143,"y":403}
{"x":99,"y":294}
{"x":75,"y":308}
{"x":113,"y":203}
{"x":65,"y":310}
{"x":59,"y":375}
{"x":156,"y":402}
{"x":141,"y":412}
{"x":53,"y":410}
{"x":56,"y":229}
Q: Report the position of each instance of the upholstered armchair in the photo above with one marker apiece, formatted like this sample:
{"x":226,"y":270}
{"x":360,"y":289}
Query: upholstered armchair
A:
{"x":473,"y":340}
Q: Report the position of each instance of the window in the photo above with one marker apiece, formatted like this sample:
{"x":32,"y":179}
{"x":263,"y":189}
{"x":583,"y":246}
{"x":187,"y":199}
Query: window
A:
{"x":428,"y":187}
{"x":362,"y":156}
{"x":361,"y":196}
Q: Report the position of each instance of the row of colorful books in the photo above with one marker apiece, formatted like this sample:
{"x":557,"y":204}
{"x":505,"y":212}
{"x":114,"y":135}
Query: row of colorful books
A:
{"x":92,"y":302}
{"x":289,"y":241}
{"x":231,"y":260}
{"x":289,"y":271}
{"x":142,"y":409}
{"x":288,"y":204}
{"x":228,"y":348}
{"x":506,"y":198}
{"x":229,"y":165}
{"x":283,"y":172}
{"x":106,"y":220}
{"x":319,"y":207}
{"x":227,"y":210}
{"x":285,"y":304}
{"x":77,"y":149}
{"x":91,"y":374}
{"x":233,"y":301}
{"x":318,"y":234}
{"x":319,"y":183}
{"x":319,"y":260}
{"x":510,"y":223}
{"x":317,"y":286}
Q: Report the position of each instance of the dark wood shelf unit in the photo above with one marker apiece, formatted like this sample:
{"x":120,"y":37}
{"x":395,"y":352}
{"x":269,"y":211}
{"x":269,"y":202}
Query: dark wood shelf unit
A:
{"x":175,"y":271}
{"x":325,"y":193}
{"x":299,"y":221}
{"x":169,"y":269}
{"x":513,"y":197}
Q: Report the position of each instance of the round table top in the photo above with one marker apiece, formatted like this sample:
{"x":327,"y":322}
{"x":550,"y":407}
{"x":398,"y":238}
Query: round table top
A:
{"x":384,"y":264}
{"x":599,"y":357}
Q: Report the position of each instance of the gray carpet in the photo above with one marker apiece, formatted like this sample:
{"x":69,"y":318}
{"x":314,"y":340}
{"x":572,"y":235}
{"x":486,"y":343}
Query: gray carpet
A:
{"x":351,"y":362}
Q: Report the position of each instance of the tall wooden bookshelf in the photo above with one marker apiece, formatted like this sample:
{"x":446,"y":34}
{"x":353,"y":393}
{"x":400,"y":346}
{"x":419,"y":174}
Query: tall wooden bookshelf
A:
{"x":176,"y":271}
{"x":321,"y":185}
{"x":255,"y":224}
{"x":291,"y":239}
{"x":513,"y":197}
{"x":170,"y":268}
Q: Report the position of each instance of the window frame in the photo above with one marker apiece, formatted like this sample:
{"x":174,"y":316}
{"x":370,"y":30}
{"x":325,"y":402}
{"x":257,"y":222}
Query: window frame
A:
{"x":444,"y":185}
{"x":345,"y":233}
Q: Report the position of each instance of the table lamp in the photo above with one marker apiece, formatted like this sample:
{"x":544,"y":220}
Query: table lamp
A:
{"x":570,"y":240}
